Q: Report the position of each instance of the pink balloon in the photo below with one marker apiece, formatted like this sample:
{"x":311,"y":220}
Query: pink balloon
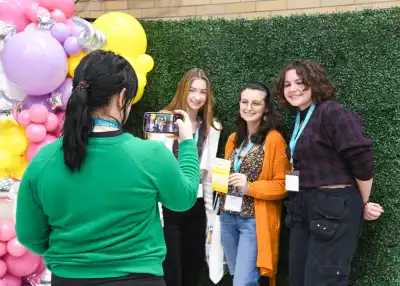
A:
{"x":3,"y":268}
{"x":2,"y":282}
{"x":66,"y":6}
{"x":60,"y":116}
{"x":51,"y":123}
{"x":3,"y":248}
{"x":11,"y":280}
{"x":58,"y":16}
{"x":24,"y":118}
{"x":15,"y":248}
{"x":38,"y":113}
{"x":31,"y":11}
{"x":36,"y":132}
{"x":7,"y":230}
{"x":24,"y":265}
{"x":31,"y":151}
{"x":49,"y":139}
{"x":12,"y":12}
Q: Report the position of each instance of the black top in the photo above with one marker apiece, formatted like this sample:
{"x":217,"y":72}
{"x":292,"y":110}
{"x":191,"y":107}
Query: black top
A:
{"x":332,"y":149}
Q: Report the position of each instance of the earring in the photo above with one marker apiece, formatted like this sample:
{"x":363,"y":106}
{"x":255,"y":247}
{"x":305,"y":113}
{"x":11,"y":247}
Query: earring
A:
{"x":265,"y":117}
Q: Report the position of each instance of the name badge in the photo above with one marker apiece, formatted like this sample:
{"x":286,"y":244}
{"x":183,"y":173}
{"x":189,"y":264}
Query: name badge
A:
{"x":233,"y":203}
{"x":292,"y":181}
{"x":200,"y":191}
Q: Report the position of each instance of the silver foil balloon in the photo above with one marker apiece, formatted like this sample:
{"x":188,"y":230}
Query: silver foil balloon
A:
{"x":89,"y":38}
{"x":7,"y":31}
{"x":45,"y":21}
{"x":6,"y":104}
{"x":55,"y":100}
{"x":5,"y":186}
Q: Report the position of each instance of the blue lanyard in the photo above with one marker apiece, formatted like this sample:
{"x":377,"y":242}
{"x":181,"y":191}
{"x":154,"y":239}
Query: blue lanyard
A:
{"x":106,"y":123}
{"x":238,"y":161}
{"x":196,"y":135}
{"x":298,"y":130}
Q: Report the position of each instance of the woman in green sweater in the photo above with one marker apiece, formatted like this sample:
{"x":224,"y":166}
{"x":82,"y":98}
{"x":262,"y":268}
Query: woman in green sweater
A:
{"x":88,"y":202}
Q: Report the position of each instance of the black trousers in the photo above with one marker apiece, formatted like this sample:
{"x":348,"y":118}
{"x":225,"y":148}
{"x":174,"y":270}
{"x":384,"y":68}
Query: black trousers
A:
{"x":185,"y":238}
{"x":325,"y":226}
{"x":130,"y":280}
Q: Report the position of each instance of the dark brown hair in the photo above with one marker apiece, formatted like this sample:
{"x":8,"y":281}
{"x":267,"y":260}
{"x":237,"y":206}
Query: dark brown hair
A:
{"x":313,"y":76}
{"x":272,"y":121}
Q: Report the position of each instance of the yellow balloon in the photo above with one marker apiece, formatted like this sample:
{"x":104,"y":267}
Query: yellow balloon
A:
{"x":16,"y":144}
{"x":4,"y":174}
{"x":73,"y":62}
{"x":124,"y":34}
{"x":142,"y":81}
{"x":18,"y":172}
{"x":5,"y":159}
{"x":144,"y":63}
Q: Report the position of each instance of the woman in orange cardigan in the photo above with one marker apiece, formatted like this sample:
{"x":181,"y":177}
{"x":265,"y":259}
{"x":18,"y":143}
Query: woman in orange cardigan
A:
{"x":251,"y":211}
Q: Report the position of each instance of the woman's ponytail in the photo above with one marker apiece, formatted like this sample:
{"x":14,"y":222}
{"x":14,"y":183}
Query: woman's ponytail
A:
{"x":78,"y":125}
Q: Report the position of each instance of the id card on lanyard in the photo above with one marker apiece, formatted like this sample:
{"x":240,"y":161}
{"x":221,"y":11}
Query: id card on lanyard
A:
{"x":292,"y":176}
{"x":234,"y":203}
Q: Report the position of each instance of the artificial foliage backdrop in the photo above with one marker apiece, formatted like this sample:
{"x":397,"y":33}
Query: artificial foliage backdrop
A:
{"x":360,"y":50}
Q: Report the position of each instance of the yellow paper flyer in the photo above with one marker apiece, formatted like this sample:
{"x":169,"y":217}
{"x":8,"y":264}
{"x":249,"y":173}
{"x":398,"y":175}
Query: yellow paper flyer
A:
{"x":220,"y":175}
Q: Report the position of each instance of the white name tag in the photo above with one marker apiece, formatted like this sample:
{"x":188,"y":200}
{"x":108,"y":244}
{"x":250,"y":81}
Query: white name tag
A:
{"x":292,"y":181}
{"x":200,"y":191}
{"x":233,"y":203}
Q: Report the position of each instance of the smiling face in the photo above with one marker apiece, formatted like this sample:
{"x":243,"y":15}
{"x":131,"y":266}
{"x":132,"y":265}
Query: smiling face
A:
{"x":197,"y":95}
{"x":252,"y":105}
{"x":295,"y":91}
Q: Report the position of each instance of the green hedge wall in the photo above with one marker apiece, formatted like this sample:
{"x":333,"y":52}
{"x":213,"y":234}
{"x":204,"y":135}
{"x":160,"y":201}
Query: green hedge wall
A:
{"x":361,"y":51}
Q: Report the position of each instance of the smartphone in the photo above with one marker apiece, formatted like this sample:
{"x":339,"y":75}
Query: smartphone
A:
{"x":158,"y":122}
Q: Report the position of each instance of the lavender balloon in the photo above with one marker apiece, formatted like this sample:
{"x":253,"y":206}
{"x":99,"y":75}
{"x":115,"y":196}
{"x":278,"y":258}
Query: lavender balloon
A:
{"x":61,"y":32}
{"x":59,"y":98}
{"x":31,"y":100}
{"x":35,"y":61}
{"x":72,"y":47}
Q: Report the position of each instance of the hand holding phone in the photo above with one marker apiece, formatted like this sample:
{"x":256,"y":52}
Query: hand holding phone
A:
{"x":185,"y":126}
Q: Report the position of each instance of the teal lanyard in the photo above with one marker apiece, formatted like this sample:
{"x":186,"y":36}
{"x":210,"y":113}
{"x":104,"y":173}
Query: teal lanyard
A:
{"x":106,"y":123}
{"x":239,"y":159}
{"x":196,"y":135}
{"x":298,"y":130}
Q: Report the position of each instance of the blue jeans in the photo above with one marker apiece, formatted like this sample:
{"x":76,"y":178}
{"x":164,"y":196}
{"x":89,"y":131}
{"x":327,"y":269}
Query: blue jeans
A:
{"x":239,"y":240}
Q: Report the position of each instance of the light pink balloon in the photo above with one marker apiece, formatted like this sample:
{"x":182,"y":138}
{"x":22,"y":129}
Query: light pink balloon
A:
{"x":38,"y":113}
{"x":2,"y":282}
{"x":66,"y":6}
{"x":58,"y":16}
{"x":7,"y":230}
{"x":31,"y":151}
{"x":24,"y":265}
{"x":3,"y":268}
{"x":35,"y":132}
{"x":3,"y":248}
{"x":24,"y":118}
{"x":15,"y":248}
{"x":11,"y":280}
{"x":51,"y":123}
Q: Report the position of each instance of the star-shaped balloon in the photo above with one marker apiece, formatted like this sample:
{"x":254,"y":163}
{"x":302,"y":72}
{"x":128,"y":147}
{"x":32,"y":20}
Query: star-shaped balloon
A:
{"x":5,"y":186}
{"x":7,"y":31}
{"x":6,"y":104}
{"x":45,"y":21}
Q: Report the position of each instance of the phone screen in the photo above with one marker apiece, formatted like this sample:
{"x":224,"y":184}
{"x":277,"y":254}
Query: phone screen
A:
{"x":156,"y":122}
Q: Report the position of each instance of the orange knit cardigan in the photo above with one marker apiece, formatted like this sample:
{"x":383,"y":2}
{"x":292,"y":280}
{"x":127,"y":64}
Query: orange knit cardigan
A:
{"x":268,"y":193}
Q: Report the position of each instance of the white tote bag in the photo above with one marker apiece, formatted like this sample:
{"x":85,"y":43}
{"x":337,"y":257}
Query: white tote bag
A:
{"x":214,"y":249}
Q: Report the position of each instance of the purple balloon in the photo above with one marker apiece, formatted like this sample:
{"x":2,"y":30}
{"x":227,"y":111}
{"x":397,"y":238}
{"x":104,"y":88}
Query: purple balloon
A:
{"x":71,"y":46}
{"x":35,"y":61}
{"x":61,"y":32}
{"x":42,"y":100}
{"x":59,"y":98}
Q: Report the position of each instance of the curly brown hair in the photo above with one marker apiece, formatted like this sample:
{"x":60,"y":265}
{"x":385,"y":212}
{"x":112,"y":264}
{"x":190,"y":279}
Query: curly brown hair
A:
{"x":313,"y":76}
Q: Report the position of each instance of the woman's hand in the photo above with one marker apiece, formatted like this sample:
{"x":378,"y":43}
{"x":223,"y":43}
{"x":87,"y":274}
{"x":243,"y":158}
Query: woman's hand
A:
{"x":372,"y":211}
{"x":185,"y":126}
{"x":239,"y":181}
